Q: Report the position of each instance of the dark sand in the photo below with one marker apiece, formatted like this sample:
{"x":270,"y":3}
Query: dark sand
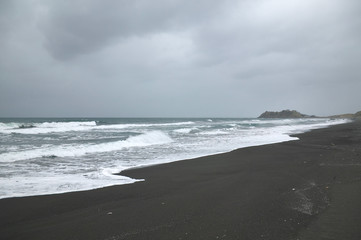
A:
{"x":306,"y":189}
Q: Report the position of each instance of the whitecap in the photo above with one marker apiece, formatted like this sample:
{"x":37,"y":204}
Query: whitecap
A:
{"x":69,"y":150}
{"x":47,"y":127}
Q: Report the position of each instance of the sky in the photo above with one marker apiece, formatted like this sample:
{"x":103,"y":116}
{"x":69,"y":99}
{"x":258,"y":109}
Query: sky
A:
{"x":173,"y":58}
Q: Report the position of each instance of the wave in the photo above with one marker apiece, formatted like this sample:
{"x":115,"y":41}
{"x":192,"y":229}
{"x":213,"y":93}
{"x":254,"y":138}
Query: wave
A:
{"x":45,"y":127}
{"x":142,"y":140}
{"x":55,"y":127}
{"x":185,"y":130}
{"x":53,"y":182}
{"x":136,"y":125}
{"x":27,"y":174}
{"x":214,"y":132}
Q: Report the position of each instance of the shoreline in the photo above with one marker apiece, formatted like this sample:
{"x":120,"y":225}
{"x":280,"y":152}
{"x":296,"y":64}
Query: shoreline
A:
{"x":287,"y":190}
{"x":249,"y":134}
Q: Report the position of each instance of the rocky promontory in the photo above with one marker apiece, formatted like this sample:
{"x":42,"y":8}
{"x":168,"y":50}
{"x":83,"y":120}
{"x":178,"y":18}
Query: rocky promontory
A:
{"x":284,"y":114}
{"x":295,"y":114}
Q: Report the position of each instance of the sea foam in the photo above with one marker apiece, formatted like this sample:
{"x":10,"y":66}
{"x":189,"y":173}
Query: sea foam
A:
{"x":68,"y":150}
{"x":57,"y":127}
{"x":53,"y":156}
{"x":46,"y":127}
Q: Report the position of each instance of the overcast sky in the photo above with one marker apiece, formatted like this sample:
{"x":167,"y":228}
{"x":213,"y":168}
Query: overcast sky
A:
{"x":173,"y":58}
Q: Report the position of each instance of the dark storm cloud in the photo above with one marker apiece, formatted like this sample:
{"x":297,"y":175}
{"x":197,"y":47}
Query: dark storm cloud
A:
{"x":79,"y":27}
{"x":179,"y":58}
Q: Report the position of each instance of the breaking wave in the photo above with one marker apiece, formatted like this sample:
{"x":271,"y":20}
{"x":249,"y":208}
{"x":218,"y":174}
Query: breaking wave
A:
{"x":84,"y":154}
{"x":45,"y":127}
{"x":142,"y":140}
{"x":54,"y":127}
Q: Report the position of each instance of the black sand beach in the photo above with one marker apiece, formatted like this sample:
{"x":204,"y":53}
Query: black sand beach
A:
{"x":306,"y":189}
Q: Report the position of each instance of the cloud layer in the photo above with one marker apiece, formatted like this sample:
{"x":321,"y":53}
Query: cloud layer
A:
{"x":179,"y":59}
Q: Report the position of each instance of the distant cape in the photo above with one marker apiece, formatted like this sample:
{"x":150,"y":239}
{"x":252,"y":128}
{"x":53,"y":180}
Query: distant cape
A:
{"x":284,"y":114}
{"x":355,"y":116}
{"x":296,"y":114}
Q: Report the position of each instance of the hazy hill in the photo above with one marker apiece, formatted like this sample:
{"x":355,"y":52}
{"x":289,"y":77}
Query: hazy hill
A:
{"x":284,"y":114}
{"x":295,"y":114}
{"x":349,"y":115}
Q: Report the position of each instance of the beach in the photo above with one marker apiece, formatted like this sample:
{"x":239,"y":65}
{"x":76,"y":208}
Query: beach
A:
{"x":303,"y":189}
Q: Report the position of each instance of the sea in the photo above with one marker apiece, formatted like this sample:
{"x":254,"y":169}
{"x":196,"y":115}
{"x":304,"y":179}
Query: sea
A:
{"x":56,"y":155}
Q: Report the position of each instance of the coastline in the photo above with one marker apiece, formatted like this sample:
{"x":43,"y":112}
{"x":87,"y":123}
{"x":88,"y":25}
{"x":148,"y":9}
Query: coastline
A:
{"x":289,"y":190}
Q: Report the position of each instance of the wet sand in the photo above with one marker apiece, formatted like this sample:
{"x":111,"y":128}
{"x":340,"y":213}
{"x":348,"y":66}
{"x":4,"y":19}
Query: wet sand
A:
{"x":305,"y":189}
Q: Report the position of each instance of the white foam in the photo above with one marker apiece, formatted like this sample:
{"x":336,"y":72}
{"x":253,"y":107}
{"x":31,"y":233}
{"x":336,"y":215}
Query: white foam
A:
{"x":214,"y":132}
{"x":46,"y":127}
{"x":146,"y":139}
{"x":54,"y":127}
{"x":6,"y":126}
{"x":73,"y":173}
{"x":142,"y":125}
{"x":59,"y":183}
{"x":184,"y":130}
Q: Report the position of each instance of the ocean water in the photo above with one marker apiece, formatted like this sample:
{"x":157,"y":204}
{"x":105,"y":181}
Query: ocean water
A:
{"x":47,"y":156}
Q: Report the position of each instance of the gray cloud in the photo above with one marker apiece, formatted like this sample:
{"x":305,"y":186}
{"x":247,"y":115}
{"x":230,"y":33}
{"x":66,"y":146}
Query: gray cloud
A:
{"x":176,"y":58}
{"x":80,"y":27}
